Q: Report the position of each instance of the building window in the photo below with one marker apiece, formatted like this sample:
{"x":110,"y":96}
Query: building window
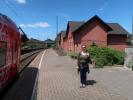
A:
{"x":3,"y":49}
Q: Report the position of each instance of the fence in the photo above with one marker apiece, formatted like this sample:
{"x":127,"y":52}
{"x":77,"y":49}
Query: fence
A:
{"x":128,"y":56}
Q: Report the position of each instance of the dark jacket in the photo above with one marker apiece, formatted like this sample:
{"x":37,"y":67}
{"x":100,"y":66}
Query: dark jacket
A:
{"x":83,"y":61}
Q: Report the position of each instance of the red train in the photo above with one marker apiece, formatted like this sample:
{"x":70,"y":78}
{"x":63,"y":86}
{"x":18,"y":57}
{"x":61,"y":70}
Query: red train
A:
{"x":10,"y":42}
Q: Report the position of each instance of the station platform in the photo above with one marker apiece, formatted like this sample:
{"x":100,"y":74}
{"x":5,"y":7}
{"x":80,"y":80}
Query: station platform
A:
{"x":53,"y":77}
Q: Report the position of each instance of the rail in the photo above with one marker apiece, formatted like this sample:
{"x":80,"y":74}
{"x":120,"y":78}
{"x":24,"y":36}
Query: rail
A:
{"x":26,"y":58}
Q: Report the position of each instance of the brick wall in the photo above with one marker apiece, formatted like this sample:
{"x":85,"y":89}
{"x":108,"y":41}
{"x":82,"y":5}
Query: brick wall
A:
{"x":92,"y":33}
{"x":117,"y":41}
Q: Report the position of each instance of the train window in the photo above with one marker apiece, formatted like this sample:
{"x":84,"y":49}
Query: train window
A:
{"x":3,"y":49}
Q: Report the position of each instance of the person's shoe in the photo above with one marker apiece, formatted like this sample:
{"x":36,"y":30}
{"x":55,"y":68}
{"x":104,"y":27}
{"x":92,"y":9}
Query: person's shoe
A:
{"x":83,"y":85}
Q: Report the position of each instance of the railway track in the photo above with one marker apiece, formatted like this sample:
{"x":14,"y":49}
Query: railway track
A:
{"x":25,"y":59}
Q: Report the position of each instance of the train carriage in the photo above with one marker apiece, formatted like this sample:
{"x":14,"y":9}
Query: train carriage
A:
{"x":9,"y":50}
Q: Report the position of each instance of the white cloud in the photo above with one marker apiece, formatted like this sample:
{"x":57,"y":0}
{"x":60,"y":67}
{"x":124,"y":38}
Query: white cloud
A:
{"x":42,"y":24}
{"x":64,"y":16}
{"x":103,"y":6}
{"x":39,"y":24}
{"x":21,"y":1}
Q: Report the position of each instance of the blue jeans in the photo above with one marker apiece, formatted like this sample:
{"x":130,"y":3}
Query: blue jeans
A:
{"x":83,"y":75}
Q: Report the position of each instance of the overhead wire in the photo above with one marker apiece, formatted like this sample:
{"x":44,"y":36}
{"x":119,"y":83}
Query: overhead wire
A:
{"x":8,"y":4}
{"x":11,"y":6}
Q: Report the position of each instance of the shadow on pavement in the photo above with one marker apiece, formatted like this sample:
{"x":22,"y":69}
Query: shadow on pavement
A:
{"x":90,"y":82}
{"x":23,"y":87}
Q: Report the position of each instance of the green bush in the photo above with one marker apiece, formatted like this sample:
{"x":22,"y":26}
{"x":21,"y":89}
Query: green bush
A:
{"x":73,"y":55}
{"x":103,"y":56}
{"x":93,"y":44}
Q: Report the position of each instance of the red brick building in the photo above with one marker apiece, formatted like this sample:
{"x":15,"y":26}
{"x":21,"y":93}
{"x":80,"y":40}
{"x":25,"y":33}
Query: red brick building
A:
{"x":61,"y":41}
{"x":94,"y":30}
{"x":68,"y":39}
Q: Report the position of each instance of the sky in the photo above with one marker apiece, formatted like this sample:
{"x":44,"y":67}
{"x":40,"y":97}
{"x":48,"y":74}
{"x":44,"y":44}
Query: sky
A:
{"x":37,"y":18}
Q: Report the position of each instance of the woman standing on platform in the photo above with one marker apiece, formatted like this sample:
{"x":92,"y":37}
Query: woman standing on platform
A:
{"x":83,"y":65}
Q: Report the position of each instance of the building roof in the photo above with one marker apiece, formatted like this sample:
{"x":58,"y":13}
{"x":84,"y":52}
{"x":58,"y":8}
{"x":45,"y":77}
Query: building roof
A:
{"x":63,"y":33}
{"x":74,"y":25}
{"x":108,"y":28}
{"x":49,"y":41}
{"x":112,"y":28}
{"x":117,"y":29}
{"x":32,"y":40}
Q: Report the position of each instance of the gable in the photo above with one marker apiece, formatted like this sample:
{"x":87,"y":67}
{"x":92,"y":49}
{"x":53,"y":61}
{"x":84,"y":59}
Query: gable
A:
{"x":91,"y":21}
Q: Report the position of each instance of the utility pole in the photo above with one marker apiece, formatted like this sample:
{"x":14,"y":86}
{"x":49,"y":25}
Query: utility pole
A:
{"x":57,"y":41}
{"x":132,"y":33}
{"x":132,"y":28}
{"x":56,"y":25}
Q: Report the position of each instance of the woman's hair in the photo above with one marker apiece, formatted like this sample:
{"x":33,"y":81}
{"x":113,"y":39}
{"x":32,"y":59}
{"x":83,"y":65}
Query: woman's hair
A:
{"x":83,"y":46}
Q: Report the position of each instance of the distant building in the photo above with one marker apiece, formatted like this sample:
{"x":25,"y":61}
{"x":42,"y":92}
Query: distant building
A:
{"x":33,"y":44}
{"x":61,"y":36}
{"x":95,"y":31}
{"x":49,"y":43}
{"x":129,"y":39}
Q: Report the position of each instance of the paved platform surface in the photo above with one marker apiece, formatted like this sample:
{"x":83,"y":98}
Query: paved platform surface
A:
{"x":58,"y":80}
{"x":116,"y":79}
